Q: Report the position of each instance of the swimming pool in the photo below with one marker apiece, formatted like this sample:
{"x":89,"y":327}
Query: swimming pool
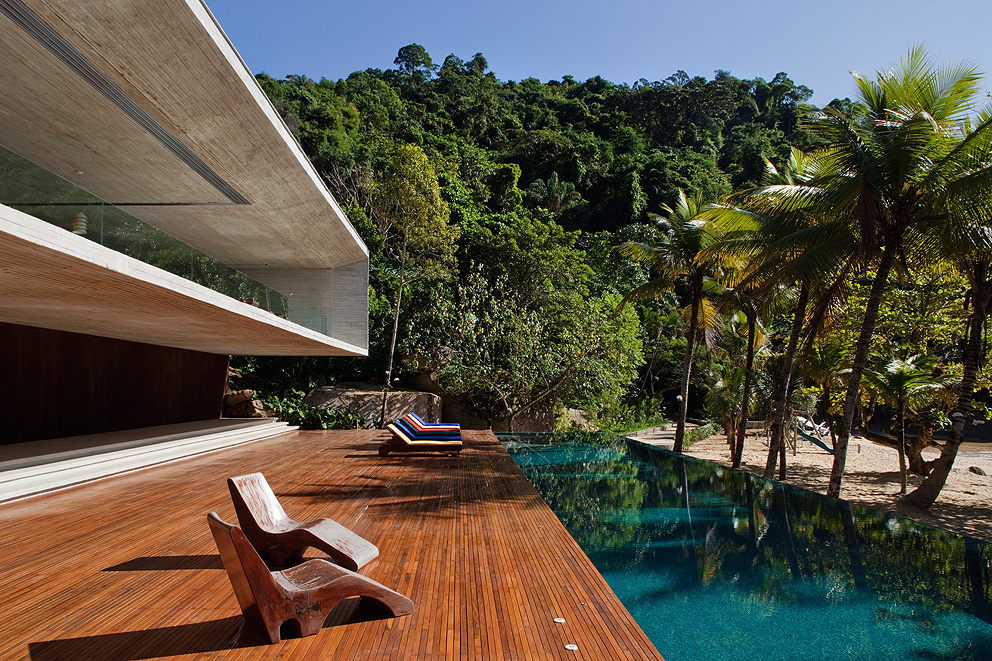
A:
{"x":717,"y":564}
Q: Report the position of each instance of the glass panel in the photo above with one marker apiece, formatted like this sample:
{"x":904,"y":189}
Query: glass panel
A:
{"x":33,"y":190}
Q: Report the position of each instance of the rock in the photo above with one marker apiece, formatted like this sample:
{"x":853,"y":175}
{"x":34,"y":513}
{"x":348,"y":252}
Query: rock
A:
{"x":579,"y":419}
{"x":366,"y":400}
{"x":976,"y":470}
{"x":248,"y":409}
{"x":238,"y":396}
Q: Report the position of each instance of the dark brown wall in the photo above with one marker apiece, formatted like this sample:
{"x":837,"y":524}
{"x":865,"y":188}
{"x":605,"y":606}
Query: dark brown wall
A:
{"x":58,"y":384}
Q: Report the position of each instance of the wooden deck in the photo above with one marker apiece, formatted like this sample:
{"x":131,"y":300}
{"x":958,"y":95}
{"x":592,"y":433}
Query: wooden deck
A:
{"x":125,"y":568}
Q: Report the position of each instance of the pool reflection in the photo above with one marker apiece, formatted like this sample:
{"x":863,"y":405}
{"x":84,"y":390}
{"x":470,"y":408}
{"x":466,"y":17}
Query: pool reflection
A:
{"x":720,"y":564}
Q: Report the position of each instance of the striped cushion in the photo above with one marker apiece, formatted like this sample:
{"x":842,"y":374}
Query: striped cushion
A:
{"x":402,"y":435}
{"x":436,"y":435}
{"x":418,"y":423}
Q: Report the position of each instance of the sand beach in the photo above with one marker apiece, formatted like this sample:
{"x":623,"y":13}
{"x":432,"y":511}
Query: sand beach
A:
{"x":872,"y":478}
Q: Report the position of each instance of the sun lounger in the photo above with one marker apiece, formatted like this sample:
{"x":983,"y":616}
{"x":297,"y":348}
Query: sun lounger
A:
{"x":418,"y":424}
{"x":302,"y":595}
{"x":429,"y":435}
{"x":281,"y":539}
{"x":404,"y":441}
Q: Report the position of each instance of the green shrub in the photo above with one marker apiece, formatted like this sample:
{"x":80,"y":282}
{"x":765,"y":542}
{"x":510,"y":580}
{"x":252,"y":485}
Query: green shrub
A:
{"x":700,"y":432}
{"x":290,"y":408}
{"x":625,"y":418}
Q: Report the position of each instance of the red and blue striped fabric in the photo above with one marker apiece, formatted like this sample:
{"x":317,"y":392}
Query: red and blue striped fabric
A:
{"x":432,"y":435}
{"x":418,"y":423}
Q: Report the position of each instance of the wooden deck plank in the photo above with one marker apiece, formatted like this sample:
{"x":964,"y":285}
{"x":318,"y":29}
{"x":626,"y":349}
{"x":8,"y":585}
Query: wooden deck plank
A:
{"x":125,"y":568}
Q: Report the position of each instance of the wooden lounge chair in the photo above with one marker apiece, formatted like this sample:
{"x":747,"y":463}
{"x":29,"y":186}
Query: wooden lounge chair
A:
{"x":281,"y":540}
{"x":419,"y":425}
{"x":302,"y":595}
{"x":430,"y":435}
{"x":403,"y":441}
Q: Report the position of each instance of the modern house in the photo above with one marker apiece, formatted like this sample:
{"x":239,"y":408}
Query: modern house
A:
{"x":156,"y":216}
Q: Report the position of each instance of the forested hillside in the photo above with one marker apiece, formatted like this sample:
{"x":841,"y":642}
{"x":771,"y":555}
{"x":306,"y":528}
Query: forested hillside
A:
{"x":595,"y":154}
{"x":537,"y":182}
{"x":509,"y":224}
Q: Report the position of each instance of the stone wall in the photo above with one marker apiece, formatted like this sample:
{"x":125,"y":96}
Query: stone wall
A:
{"x":366,"y":400}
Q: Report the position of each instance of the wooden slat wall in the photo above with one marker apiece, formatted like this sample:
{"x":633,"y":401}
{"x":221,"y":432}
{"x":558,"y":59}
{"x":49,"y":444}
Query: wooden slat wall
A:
{"x":68,"y":384}
{"x":126,"y":569}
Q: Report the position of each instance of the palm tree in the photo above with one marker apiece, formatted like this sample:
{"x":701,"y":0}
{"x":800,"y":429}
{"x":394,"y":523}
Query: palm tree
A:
{"x":901,"y":171}
{"x":787,"y":252}
{"x":741,"y":296}
{"x":684,"y":235}
{"x":979,"y":271}
{"x":553,"y":195}
{"x":906,"y":164}
{"x":724,"y":400}
{"x":898,"y":382}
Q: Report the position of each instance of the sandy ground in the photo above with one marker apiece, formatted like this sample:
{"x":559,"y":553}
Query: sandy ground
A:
{"x":871,"y":477}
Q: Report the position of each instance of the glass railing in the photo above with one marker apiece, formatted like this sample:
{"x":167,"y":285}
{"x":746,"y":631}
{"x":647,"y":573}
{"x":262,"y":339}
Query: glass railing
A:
{"x":35,"y":191}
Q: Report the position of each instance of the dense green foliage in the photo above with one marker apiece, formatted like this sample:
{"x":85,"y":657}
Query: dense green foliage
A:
{"x":542,"y":179}
{"x":291,"y":409}
{"x":509,"y":303}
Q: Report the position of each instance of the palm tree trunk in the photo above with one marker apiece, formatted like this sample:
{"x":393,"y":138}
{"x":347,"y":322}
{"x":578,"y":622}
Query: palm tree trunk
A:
{"x":853,"y":549}
{"x":902,"y":447}
{"x":782,"y":395}
{"x":746,"y":397}
{"x":925,"y":494}
{"x":690,"y":344}
{"x":861,"y":349}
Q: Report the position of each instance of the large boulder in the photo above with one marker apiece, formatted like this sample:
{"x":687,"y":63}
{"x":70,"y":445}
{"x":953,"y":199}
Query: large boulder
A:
{"x":536,"y":419}
{"x":366,"y":400}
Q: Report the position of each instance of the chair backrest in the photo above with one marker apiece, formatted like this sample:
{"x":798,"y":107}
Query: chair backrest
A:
{"x":225,"y":536}
{"x":256,"y":504}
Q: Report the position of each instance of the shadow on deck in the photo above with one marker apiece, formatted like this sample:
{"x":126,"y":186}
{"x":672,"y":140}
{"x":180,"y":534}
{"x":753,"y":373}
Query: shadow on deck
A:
{"x":125,"y":568}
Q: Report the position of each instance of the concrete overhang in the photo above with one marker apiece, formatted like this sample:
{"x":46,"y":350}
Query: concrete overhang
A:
{"x":147,"y":105}
{"x":54,"y":279}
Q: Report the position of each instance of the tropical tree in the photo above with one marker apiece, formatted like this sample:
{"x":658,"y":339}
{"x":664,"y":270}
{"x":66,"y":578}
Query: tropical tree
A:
{"x":899,"y":381}
{"x":977,"y":268}
{"x":789,"y":256}
{"x":737,"y":301}
{"x":412,"y":211}
{"x":724,"y":401}
{"x":553,"y":195}
{"x":684,"y":235}
{"x":899,"y":171}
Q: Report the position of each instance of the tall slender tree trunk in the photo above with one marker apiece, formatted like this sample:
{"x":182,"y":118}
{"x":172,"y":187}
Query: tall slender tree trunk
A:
{"x":975,"y":569}
{"x":861,"y":349}
{"x":902,"y":447}
{"x":396,"y":325}
{"x":782,"y":394}
{"x":925,"y":494}
{"x":746,"y":397}
{"x":680,"y":467}
{"x":853,"y":549}
{"x":696,"y":287}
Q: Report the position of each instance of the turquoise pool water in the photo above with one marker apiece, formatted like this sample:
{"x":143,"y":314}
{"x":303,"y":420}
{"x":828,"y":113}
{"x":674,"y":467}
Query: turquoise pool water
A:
{"x":716,"y":564}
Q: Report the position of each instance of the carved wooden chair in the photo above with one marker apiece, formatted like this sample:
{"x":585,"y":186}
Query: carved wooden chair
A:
{"x":302,"y":595}
{"x":281,"y":540}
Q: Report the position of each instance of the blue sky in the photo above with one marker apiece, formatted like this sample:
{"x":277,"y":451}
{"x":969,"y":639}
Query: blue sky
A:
{"x":816,"y":43}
